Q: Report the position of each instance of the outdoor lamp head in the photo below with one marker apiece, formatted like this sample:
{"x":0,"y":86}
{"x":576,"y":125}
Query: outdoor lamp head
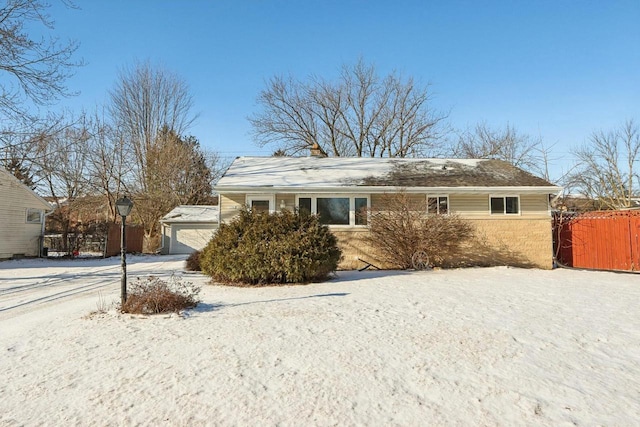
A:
{"x":124,"y":206}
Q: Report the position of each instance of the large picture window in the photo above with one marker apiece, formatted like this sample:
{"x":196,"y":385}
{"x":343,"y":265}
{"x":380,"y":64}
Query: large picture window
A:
{"x":333,"y":210}
{"x":505,"y":205}
{"x":337,"y":210}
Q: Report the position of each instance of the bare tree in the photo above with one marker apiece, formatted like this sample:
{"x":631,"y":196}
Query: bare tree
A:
{"x":16,"y":159}
{"x":109,"y":167}
{"x":23,"y":139}
{"x":145,"y":100}
{"x":35,"y":68}
{"x":62,"y":163}
{"x":506,"y":144}
{"x":359,"y":114}
{"x":147,"y":104}
{"x":606,"y":171}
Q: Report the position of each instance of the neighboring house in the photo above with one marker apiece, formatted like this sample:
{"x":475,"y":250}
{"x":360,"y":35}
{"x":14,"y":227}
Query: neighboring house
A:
{"x":188,"y":228}
{"x":509,"y":207}
{"x":581,"y":203}
{"x":22,"y":214}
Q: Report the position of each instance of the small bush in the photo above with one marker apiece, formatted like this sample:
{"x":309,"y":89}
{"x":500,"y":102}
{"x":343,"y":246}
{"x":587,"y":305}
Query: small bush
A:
{"x":193,"y":261}
{"x":261,"y":248}
{"x":154,"y":295}
{"x":400,"y":228}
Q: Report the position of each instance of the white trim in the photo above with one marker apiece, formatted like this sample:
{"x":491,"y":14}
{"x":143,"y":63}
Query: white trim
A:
{"x":270,"y":197}
{"x":352,"y":206}
{"x":504,"y":196}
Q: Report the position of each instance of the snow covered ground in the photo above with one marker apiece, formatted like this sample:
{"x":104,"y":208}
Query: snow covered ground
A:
{"x":494,"y":346}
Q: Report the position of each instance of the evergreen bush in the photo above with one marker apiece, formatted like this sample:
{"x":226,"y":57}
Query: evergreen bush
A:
{"x":193,"y":262}
{"x":259,"y":248}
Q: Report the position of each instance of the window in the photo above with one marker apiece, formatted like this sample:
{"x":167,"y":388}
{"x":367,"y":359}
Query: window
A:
{"x":304,"y":204}
{"x":361,"y":205}
{"x":438,"y":205}
{"x":333,"y":210}
{"x":342,"y":210}
{"x":34,"y":216}
{"x":261,"y":203}
{"x":505,"y":205}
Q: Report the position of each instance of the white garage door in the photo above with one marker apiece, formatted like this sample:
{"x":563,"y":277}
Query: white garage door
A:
{"x":186,"y":238}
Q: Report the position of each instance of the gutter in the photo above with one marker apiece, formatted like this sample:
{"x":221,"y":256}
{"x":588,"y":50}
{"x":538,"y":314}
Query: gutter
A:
{"x":381,"y":190}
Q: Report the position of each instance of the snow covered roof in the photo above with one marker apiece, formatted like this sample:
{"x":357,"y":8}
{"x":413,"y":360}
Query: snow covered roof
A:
{"x":191,"y":213}
{"x":342,"y":173}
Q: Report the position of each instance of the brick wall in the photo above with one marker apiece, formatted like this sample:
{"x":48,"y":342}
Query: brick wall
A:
{"x":515,"y":242}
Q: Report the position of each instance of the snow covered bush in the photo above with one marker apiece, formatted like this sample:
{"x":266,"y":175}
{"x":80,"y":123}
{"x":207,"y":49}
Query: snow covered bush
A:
{"x":154,"y":295}
{"x":261,"y":248}
{"x":400,"y":228}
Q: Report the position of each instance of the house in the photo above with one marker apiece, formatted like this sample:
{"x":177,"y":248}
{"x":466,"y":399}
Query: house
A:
{"x":188,"y":228}
{"x":509,"y":207}
{"x":22,"y":214}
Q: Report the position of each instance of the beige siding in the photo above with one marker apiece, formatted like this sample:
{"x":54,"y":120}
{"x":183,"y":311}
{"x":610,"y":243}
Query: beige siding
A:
{"x":469,"y":205}
{"x":534,"y":205}
{"x":17,"y":237}
{"x":229,"y":206}
{"x":378,"y":200}
{"x":477,"y":205}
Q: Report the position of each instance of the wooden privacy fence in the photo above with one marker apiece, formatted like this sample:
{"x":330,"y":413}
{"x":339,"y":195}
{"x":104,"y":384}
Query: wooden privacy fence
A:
{"x":134,"y":236}
{"x":603,"y":240}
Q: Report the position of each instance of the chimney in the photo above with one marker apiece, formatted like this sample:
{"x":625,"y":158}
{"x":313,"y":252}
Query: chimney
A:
{"x":316,"y":151}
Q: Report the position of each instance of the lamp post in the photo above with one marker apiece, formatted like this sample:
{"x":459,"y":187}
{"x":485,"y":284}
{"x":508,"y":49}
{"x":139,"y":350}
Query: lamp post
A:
{"x":124,"y":206}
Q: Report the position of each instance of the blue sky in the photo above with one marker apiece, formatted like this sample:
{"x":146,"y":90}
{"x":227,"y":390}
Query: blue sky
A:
{"x":558,"y":70}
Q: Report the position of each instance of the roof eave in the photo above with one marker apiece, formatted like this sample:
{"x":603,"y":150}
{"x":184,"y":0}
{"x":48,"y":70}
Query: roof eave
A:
{"x":383,"y":189}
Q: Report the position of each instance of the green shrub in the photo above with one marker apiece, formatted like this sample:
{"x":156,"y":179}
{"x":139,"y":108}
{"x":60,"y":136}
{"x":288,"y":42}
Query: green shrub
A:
{"x":262,"y":248}
{"x":193,"y":261}
{"x":154,"y":295}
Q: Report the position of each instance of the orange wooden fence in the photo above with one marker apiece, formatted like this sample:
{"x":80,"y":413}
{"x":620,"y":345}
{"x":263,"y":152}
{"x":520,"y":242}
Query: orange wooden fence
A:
{"x":135,"y":236}
{"x":604,"y":240}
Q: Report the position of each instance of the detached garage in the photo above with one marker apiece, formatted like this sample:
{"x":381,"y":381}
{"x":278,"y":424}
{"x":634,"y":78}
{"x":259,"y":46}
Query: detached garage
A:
{"x":188,"y":228}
